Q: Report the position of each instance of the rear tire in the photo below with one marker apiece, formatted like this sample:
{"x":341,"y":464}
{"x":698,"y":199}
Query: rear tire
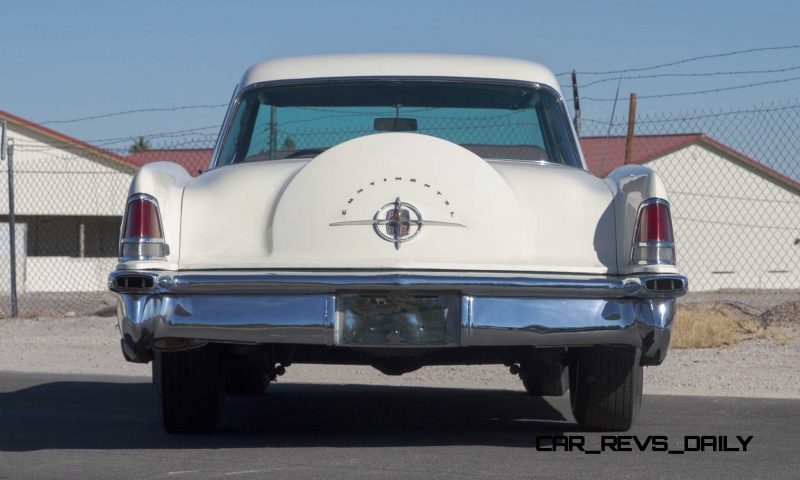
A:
{"x":189,"y":389}
{"x":606,"y":388}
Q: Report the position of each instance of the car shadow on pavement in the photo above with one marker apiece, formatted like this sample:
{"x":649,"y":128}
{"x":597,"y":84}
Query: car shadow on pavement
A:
{"x":106,"y":415}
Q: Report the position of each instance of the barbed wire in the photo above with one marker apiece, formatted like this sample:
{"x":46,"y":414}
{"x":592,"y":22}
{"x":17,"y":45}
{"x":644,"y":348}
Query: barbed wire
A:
{"x":684,"y":60}
{"x":191,"y":135}
{"x":66,"y":172}
{"x":128,"y":112}
{"x":695,"y":92}
{"x":608,"y":72}
{"x":98,"y":141}
{"x":671,"y":117}
{"x":697,"y":74}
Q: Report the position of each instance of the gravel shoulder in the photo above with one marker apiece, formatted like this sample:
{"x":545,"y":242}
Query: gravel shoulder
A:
{"x":90,"y":345}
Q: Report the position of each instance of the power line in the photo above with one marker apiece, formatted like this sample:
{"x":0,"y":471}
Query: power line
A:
{"x":108,"y":141}
{"x":696,"y":92}
{"x":687,"y":60}
{"x":697,"y":116}
{"x":700,"y":74}
{"x":142,"y":110}
{"x":105,"y":142}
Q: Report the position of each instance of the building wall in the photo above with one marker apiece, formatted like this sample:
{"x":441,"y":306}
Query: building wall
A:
{"x":53,"y":260}
{"x":734,"y":228}
{"x":68,"y":274}
{"x":20,"y":233}
{"x":54,"y":178}
{"x":68,"y":203}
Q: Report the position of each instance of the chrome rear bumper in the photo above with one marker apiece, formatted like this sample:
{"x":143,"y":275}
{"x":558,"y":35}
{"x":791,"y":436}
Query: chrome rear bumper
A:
{"x":484,"y":309}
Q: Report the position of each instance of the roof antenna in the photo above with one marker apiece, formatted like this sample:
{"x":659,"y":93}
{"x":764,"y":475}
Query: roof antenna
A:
{"x":396,"y":116}
{"x":608,"y":133}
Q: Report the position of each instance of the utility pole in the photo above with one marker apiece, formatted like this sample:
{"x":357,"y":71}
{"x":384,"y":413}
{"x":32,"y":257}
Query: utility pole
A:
{"x":631,"y":125}
{"x":577,"y":104}
{"x":7,"y":151}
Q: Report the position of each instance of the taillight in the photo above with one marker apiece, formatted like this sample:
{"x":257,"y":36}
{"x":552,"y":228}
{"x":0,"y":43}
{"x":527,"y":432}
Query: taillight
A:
{"x":654,"y":223}
{"x":141,"y":219}
{"x":653,"y":243}
{"x":142,"y":237}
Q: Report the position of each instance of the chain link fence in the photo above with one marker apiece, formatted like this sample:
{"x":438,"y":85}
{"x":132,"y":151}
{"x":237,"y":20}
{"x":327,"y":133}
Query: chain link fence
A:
{"x":733,"y":179}
{"x":734,"y":186}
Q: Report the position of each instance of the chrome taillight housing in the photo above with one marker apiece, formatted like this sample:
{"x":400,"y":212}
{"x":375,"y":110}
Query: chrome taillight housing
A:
{"x":142,"y":234}
{"x":653,"y":243}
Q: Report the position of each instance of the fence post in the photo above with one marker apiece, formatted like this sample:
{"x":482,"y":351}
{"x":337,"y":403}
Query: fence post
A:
{"x":7,"y":151}
{"x":577,"y":104}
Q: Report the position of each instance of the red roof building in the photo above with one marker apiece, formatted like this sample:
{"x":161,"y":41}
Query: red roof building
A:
{"x":194,"y":160}
{"x":604,"y":154}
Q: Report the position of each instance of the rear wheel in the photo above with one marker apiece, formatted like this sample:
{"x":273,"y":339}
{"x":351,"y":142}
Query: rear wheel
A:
{"x":606,"y":388}
{"x":189,"y":389}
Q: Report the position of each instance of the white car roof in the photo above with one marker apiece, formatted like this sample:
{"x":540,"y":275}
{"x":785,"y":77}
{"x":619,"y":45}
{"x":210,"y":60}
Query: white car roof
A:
{"x":398,"y":65}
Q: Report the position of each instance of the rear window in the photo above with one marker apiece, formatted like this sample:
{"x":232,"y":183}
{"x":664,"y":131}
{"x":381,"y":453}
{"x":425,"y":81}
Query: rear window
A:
{"x":502,"y":121}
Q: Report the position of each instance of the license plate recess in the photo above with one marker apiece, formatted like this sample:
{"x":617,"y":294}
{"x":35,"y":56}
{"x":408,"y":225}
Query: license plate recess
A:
{"x":397,"y":320}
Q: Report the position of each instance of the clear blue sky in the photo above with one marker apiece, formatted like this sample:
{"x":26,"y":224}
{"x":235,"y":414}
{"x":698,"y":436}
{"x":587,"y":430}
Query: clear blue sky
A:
{"x":62,"y":60}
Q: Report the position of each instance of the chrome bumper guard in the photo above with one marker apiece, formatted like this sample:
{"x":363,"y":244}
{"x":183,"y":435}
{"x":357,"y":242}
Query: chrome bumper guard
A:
{"x":395,"y":310}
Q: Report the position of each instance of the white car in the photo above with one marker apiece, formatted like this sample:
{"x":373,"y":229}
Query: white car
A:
{"x":397,"y":211}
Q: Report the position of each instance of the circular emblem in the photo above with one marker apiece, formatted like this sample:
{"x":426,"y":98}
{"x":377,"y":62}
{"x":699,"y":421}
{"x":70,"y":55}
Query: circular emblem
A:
{"x":397,"y":222}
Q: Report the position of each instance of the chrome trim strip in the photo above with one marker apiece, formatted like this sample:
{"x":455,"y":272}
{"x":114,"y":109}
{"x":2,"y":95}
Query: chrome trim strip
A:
{"x":387,"y":222}
{"x":145,"y":258}
{"x":478,"y":283}
{"x":655,"y":244}
{"x":130,"y":240}
{"x":661,"y":257}
{"x":223,"y":128}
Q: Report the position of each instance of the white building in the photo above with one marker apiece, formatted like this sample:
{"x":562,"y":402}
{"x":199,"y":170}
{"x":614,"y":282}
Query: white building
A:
{"x":736,"y":221}
{"x":69,"y":197}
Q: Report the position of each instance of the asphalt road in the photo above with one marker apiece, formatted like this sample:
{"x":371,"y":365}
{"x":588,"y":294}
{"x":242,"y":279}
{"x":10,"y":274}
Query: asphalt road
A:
{"x":57,"y":426}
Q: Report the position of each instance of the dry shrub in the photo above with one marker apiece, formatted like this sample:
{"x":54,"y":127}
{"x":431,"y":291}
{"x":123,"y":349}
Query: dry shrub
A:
{"x":784,"y":315}
{"x":707,"y":325}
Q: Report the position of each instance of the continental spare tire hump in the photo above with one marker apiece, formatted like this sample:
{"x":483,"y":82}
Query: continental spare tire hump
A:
{"x":395,"y":200}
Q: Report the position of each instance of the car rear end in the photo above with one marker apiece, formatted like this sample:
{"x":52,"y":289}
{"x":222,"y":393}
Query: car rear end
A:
{"x":397,"y":221}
